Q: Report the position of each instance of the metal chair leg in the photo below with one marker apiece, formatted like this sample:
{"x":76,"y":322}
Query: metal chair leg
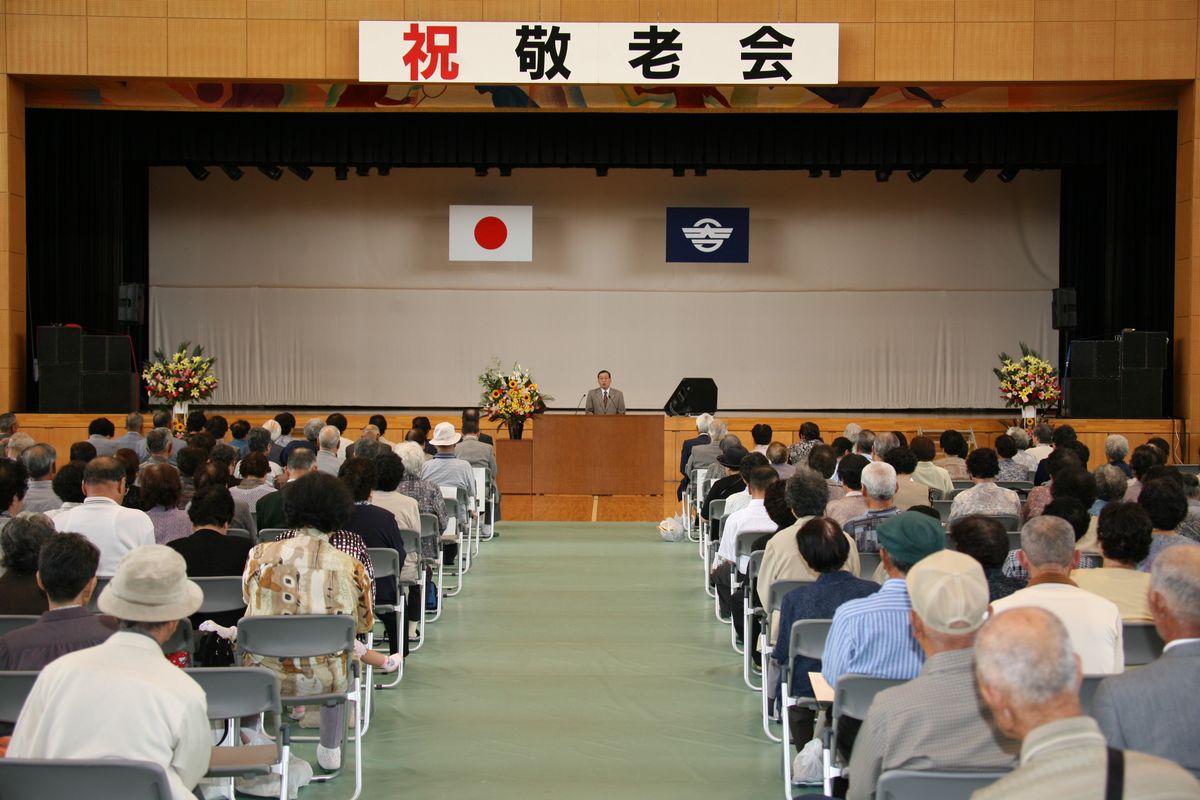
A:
{"x":766,"y":711}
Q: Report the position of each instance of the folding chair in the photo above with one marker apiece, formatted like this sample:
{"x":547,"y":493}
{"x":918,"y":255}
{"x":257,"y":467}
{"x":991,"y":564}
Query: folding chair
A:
{"x":236,"y":692}
{"x":386,"y":563}
{"x":1022,"y":488}
{"x":453,"y":496}
{"x":806,"y":638}
{"x":307,"y":636}
{"x":910,"y":784}
{"x":483,"y":495}
{"x":429,"y":531}
{"x":240,"y":533}
{"x":1194,"y":469}
{"x":95,"y":779}
{"x":412,"y":544}
{"x":851,"y":697}
{"x":716,"y":511}
{"x":962,"y":483}
{"x":1014,"y":540}
{"x":268,"y":534}
{"x":942,"y":507}
{"x":11,"y":622}
{"x":750,"y":609}
{"x":221,"y":594}
{"x":15,"y":686}
{"x":1011,"y":522}
{"x":1142,"y":643}
{"x":775,"y":595}
{"x":1087,"y":691}
{"x":693,"y":497}
{"x":741,"y":549}
{"x":867,"y":564}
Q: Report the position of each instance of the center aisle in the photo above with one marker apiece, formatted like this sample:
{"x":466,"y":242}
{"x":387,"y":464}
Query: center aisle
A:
{"x":580,"y":662}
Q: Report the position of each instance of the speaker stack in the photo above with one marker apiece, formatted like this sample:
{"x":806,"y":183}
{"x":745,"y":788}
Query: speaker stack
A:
{"x":1120,"y":378}
{"x":84,"y":373}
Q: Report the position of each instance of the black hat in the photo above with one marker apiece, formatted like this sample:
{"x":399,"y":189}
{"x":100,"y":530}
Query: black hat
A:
{"x":731,"y":457}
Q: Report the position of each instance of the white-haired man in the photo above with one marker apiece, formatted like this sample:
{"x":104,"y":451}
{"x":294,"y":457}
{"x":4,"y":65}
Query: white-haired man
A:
{"x":685,"y":452}
{"x":1048,"y":553}
{"x":1116,"y":449}
{"x":704,"y":456}
{"x":329,"y":440}
{"x":879,"y":491}
{"x":447,"y":469}
{"x":311,"y":434}
{"x":1153,"y":709}
{"x":1023,"y":456}
{"x":1029,"y":676}
{"x":132,"y":438}
{"x":937,"y":720}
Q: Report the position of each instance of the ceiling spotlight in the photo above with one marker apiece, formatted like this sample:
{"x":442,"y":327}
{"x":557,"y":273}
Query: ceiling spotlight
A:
{"x":198,"y":172}
{"x":917,"y":174}
{"x":814,"y":173}
{"x":362,"y":171}
{"x":882,"y":175}
{"x":384,"y":170}
{"x":481,"y":172}
{"x":271,"y":171}
{"x":300,"y":171}
{"x":678,"y":172}
{"x":233,"y":171}
{"x":973,"y":174}
{"x":601,"y":172}
{"x":701,"y":172}
{"x":506,"y":172}
{"x":1007,"y":174}
{"x":341,"y":172}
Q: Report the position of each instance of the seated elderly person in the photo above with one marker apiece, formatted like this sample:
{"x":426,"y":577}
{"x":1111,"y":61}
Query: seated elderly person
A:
{"x":878,"y":490}
{"x":704,"y":456}
{"x":446,"y":469}
{"x":1116,"y":448}
{"x":40,"y":461}
{"x":852,"y":504}
{"x":1061,"y":458}
{"x":158,"y":448}
{"x":928,"y":472}
{"x":1144,"y":457}
{"x":160,"y":495}
{"x":777,"y":457}
{"x":66,"y":572}
{"x":1074,"y":512}
{"x":985,"y":497}
{"x":1164,"y":501}
{"x":214,"y":474}
{"x":102,"y":519}
{"x":256,"y":482}
{"x":685,"y":450}
{"x":428,"y":496}
{"x":1153,"y":709}
{"x":1029,"y":676}
{"x":329,"y":441}
{"x":1009,"y":470}
{"x":737,"y":500}
{"x":480,"y":455}
{"x":985,"y":540}
{"x":728,"y":473}
{"x":1124,"y":534}
{"x":238,"y":432}
{"x":133,"y":492}
{"x":20,"y":543}
{"x":312,"y":431}
{"x":936,"y":721}
{"x":306,"y":573}
{"x":954,"y":446}
{"x":909,"y":493}
{"x":810,"y":437}
{"x":259,"y":440}
{"x":121,"y":699}
{"x":268,"y":511}
{"x":13,"y":485}
{"x":68,"y":487}
{"x":1110,"y":487}
{"x":1024,"y":457}
{"x":1048,"y":554}
{"x":751,"y":519}
{"x":825,"y":548}
{"x":824,"y":461}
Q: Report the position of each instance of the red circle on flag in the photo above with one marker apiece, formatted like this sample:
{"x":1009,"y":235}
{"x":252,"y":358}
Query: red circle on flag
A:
{"x":491,"y":233}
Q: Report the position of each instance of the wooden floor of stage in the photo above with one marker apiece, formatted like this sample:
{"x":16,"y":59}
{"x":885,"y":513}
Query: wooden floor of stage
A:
{"x":61,"y":430}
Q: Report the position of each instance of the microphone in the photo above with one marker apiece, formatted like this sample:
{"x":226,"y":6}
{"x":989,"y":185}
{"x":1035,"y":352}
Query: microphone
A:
{"x":578,"y":405}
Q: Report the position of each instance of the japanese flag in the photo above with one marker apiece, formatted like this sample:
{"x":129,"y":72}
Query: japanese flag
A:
{"x":491,"y":233}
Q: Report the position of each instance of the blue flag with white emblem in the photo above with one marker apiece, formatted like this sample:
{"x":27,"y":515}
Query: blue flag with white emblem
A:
{"x":708,"y":235}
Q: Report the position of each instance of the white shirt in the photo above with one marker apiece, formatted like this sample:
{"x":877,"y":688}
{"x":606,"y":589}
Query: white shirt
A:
{"x":753,"y":517}
{"x":114,"y":529}
{"x":120,"y":699}
{"x":1093,"y":622}
{"x":343,"y":443}
{"x":1040,"y":451}
{"x":737,"y":501}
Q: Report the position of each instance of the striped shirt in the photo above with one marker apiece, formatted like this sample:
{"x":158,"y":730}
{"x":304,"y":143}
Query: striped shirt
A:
{"x":873,"y":636}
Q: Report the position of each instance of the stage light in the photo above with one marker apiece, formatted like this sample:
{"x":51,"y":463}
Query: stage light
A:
{"x":973,"y":174}
{"x":271,"y":171}
{"x":300,"y":171}
{"x":1006,"y":175}
{"x":814,"y":173}
{"x":678,"y":172}
{"x":384,"y":170}
{"x":362,"y":171}
{"x":835,"y":173}
{"x":701,"y":172}
{"x":198,"y":171}
{"x":601,"y":172}
{"x":505,"y":172}
{"x":233,"y":171}
{"x":341,"y":172}
{"x":917,"y":174}
{"x":882,"y":175}
{"x":481,"y":172}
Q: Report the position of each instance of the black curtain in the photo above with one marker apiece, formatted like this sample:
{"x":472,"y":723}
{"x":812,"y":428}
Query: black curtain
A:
{"x":87,"y":177}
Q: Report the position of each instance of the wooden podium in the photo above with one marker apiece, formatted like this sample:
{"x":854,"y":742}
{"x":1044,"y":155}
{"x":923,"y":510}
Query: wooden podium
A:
{"x":574,"y":460}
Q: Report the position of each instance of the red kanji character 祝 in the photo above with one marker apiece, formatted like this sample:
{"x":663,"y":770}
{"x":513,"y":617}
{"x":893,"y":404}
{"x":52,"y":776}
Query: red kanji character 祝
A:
{"x":434,"y":47}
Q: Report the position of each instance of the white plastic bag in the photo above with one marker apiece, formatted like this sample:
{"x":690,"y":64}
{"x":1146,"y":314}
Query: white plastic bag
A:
{"x":672,"y":529}
{"x":808,"y":766}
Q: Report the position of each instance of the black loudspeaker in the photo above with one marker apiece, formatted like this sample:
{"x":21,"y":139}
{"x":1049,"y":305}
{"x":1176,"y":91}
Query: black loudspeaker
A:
{"x":59,"y":345}
{"x":105,"y":354}
{"x":693,"y":396}
{"x":1143,"y":350}
{"x":1064,"y":314}
{"x":1141,"y":393}
{"x":108,"y":392}
{"x":1095,"y":360}
{"x":58,"y":388}
{"x":1094,"y":397}
{"x":131,"y":303}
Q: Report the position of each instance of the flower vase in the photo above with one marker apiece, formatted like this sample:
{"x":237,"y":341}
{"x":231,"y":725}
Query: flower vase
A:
{"x":180,"y":414}
{"x":1028,"y":417}
{"x":516,"y":428}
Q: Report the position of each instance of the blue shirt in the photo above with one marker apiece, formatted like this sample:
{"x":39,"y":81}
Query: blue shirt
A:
{"x":817,"y":600}
{"x":873,"y":636}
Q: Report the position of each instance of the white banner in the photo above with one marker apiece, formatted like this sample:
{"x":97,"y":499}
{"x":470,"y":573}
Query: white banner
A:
{"x":503,"y":53}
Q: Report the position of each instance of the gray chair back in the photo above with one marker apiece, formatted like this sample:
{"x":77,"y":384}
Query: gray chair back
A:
{"x":386,"y":563}
{"x":1020,"y":487}
{"x":854,"y":694}
{"x":15,"y":686}
{"x":907,"y":784}
{"x":1011,"y":522}
{"x":98,"y":779}
{"x":235,"y":692}
{"x":1087,"y":691}
{"x":716,"y":509}
{"x":943,"y":508}
{"x":808,"y":638}
{"x":429,"y":526}
{"x":962,"y":483}
{"x":296,"y":635}
{"x":778,"y":591}
{"x":752,"y":570}
{"x":1142,"y":643}
{"x":867,"y":564}
{"x":1014,"y":540}
{"x":269,"y":534}
{"x":240,"y":533}
{"x":221,"y":594}
{"x":1192,"y":468}
{"x":744,"y":541}
{"x":11,"y":622}
{"x":412,"y":540}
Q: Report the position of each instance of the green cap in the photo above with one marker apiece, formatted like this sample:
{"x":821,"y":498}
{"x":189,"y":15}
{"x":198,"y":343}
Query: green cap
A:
{"x":910,"y":536}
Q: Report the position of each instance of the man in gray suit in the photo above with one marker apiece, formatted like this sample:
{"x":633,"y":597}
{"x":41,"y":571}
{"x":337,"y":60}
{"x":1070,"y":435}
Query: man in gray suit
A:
{"x":704,"y":456}
{"x":1153,"y":709}
{"x":604,"y":400}
{"x":478,"y":454}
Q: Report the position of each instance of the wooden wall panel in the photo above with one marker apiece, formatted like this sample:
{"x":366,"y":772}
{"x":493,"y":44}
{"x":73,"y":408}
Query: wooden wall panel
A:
{"x":993,"y":51}
{"x":444,"y":9}
{"x":127,"y":8}
{"x":48,"y":45}
{"x":835,"y":10}
{"x":856,"y":51}
{"x":1074,"y":51}
{"x":757,"y":11}
{"x":914,"y":51}
{"x":1074,"y":10}
{"x":993,"y":10}
{"x":914,"y":10}
{"x":53,"y":7}
{"x":127,"y":46}
{"x":341,"y":50}
{"x":285,"y":9}
{"x":206,"y":48}
{"x":1156,"y":9}
{"x":598,"y":10}
{"x":285,"y":48}
{"x":678,"y":10}
{"x":207,"y":9}
{"x":1155,"y":49}
{"x":16,"y":223}
{"x":540,"y":10}
{"x":364,"y":9}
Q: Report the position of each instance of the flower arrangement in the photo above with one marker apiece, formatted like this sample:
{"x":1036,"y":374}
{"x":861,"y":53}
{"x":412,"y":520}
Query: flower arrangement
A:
{"x":1028,"y":381}
{"x":182,"y":377}
{"x":512,"y":397}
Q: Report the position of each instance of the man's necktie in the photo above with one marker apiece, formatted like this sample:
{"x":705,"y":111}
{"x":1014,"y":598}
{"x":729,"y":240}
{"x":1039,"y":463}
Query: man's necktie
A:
{"x":606,"y":399}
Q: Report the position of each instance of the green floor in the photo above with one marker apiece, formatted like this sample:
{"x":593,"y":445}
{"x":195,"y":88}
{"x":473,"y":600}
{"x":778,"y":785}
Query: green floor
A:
{"x":580,"y":661}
